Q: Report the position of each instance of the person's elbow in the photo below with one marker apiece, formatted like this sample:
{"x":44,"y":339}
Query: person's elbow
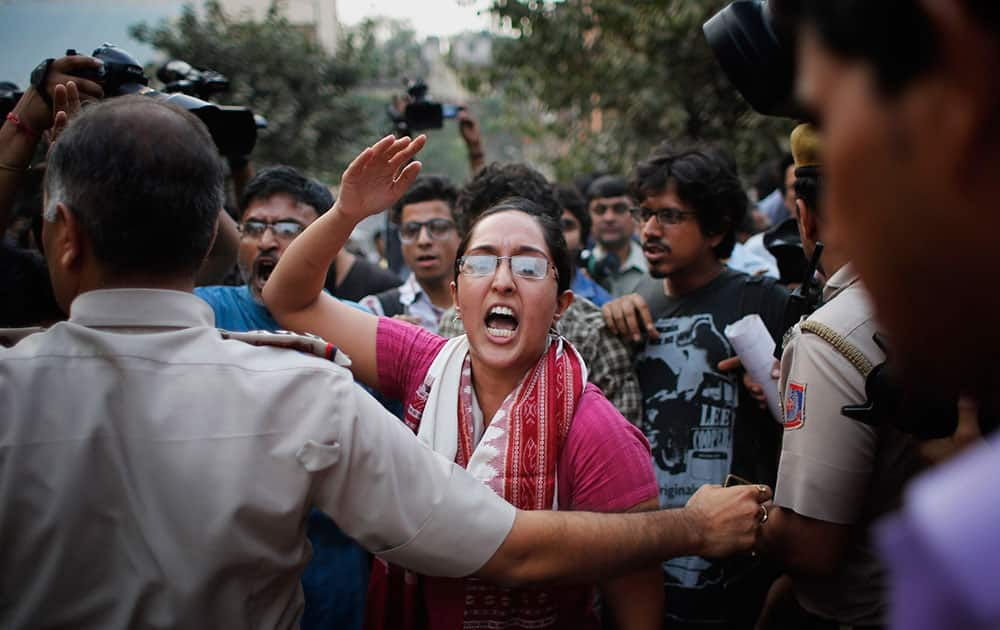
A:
{"x":524,"y":557}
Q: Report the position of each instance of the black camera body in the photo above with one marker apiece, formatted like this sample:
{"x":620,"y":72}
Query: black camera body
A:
{"x":756,"y":49}
{"x":234,"y":129}
{"x":420,"y":112}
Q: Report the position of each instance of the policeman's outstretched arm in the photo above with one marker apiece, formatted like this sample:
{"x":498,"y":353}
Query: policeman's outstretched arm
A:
{"x":415,"y":508}
{"x":583,"y":547}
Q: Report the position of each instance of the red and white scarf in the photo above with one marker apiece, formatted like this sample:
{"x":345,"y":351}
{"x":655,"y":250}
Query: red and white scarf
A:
{"x":516,"y":457}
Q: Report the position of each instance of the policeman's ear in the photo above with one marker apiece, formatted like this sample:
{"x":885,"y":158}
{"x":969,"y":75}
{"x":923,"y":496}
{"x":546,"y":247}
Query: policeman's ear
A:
{"x":66,"y":241}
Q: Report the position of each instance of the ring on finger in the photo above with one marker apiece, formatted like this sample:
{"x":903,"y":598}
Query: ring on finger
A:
{"x":762,"y":489}
{"x":763,"y":514}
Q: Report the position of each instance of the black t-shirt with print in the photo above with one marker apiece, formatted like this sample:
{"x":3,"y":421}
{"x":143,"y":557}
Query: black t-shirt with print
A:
{"x":702,"y":425}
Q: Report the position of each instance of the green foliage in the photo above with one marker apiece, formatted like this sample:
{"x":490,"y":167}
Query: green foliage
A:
{"x":315,"y":123}
{"x":613,"y":79}
{"x":384,"y":50}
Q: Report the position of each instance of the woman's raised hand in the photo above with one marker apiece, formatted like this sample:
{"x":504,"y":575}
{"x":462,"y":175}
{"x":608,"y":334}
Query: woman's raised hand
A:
{"x":379,"y":176}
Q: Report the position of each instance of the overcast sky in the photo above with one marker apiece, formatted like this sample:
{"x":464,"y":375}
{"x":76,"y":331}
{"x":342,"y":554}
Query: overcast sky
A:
{"x":32,"y":30}
{"x":429,"y":17}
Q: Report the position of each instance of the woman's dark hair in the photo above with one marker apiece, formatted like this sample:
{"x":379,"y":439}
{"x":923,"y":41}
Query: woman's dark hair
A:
{"x":427,"y":188}
{"x":496,"y":182}
{"x":551,"y":232}
{"x":707,"y":184}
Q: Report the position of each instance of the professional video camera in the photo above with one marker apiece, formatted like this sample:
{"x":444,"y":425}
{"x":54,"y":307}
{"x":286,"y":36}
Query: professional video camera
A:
{"x":234,"y":129}
{"x":420,"y":112}
{"x":754,"y":42}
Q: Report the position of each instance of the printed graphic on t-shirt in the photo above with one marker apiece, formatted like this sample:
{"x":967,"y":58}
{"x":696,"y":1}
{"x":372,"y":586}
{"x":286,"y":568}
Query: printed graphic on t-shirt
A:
{"x":689,"y":411}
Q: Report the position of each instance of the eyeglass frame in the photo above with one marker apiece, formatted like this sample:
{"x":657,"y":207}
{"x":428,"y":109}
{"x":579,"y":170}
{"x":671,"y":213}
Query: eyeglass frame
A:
{"x":426,"y":224}
{"x":643,"y":214}
{"x":549,"y":265}
{"x":269,"y":225}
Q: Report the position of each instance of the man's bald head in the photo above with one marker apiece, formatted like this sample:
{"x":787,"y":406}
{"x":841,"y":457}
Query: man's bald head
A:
{"x":144,"y":180}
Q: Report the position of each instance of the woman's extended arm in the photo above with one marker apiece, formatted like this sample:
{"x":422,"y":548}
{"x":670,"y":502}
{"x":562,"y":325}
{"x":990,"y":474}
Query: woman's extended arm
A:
{"x":294,"y":292}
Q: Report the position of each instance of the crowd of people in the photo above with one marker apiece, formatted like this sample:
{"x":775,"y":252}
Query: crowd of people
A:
{"x":228,"y":418}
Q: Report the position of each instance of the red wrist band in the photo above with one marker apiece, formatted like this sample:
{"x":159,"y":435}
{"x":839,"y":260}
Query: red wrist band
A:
{"x":22,"y":126}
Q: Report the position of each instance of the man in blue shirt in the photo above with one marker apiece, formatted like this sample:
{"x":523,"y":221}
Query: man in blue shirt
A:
{"x":276,"y":206}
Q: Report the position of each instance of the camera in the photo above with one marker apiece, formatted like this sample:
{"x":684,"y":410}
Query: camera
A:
{"x":233,"y":128}
{"x":755,"y":46}
{"x":420,"y":112}
{"x":180,"y":76}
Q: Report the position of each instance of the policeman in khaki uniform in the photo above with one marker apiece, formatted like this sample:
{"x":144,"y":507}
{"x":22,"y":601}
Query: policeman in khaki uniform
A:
{"x":836,"y":475}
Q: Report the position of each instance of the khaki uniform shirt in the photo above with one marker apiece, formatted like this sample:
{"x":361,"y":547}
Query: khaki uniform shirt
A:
{"x":833,"y":468}
{"x":153,"y":474}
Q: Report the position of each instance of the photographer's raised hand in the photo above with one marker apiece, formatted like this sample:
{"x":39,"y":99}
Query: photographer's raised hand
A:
{"x":378,"y":176}
{"x":30,"y":117}
{"x":65,"y":104}
{"x":39,"y":109}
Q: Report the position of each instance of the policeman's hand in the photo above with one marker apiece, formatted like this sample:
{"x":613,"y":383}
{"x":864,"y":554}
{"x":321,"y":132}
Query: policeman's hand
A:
{"x":756,"y":389}
{"x":728,"y":519}
{"x":378,"y":176}
{"x":628,"y":316}
{"x":38,"y":114}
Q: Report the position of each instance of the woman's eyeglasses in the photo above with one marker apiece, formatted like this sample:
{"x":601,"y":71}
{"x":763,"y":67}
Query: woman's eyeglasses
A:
{"x":522,"y":266}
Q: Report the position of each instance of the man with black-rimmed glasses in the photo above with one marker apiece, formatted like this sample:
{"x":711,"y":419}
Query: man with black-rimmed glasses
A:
{"x":425,"y":216}
{"x":701,"y":424}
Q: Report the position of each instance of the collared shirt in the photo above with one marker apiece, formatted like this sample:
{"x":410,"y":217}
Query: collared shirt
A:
{"x":609,"y":360}
{"x":155,"y":474}
{"x":833,"y":468}
{"x":336,"y":579}
{"x":415,"y":303}
{"x":749,"y":262}
{"x":630,"y":272}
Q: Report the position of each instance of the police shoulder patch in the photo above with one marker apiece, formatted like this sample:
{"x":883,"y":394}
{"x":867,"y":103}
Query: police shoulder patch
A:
{"x":795,"y":405}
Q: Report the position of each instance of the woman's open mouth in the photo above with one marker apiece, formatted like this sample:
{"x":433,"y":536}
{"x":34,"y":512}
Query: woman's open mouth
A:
{"x":501,"y":322}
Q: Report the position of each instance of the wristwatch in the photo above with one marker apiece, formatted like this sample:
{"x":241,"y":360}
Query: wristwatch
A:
{"x":38,"y":78}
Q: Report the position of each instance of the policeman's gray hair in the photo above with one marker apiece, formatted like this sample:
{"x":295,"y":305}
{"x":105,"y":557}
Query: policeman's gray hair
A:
{"x":144,"y":180}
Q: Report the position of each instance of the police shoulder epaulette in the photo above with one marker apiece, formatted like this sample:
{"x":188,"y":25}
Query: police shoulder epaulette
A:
{"x":309,"y":344}
{"x":846,"y":349}
{"x":10,"y":336}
